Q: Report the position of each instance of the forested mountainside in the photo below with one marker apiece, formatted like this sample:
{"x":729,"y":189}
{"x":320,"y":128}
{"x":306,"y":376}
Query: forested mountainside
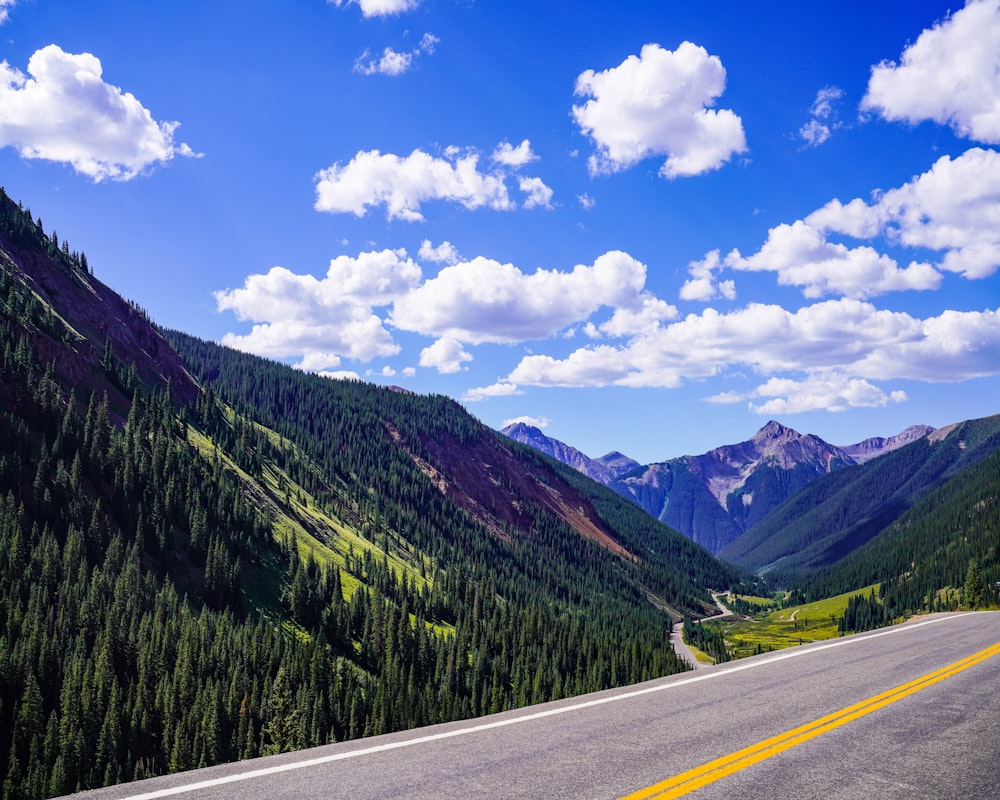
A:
{"x":192,"y":574}
{"x":943,"y":552}
{"x":445,"y":472}
{"x":839,"y":513}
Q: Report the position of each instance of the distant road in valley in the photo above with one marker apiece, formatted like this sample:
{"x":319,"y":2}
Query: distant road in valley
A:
{"x":906,"y":712}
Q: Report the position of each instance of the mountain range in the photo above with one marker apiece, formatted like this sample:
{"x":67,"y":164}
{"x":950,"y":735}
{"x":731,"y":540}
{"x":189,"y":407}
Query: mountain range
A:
{"x":716,"y":497}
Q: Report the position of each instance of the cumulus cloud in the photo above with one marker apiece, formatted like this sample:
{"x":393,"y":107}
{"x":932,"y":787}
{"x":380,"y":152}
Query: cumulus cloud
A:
{"x":511,"y":156}
{"x":349,"y":313}
{"x":538,"y":194}
{"x":953,"y":208}
{"x":393,"y":63}
{"x":379,"y":8}
{"x":445,"y":355}
{"x":535,"y":422}
{"x":484,"y":301}
{"x":950,"y":75}
{"x":444,"y":253}
{"x":659,"y":103}
{"x":822,"y":116}
{"x":499,"y":389}
{"x":703,"y":285}
{"x":831,"y":391}
{"x":321,"y":321}
{"x":5,"y":7}
{"x":403,"y":184}
{"x":802,"y":256}
{"x":65,"y":112}
{"x":833,"y":349}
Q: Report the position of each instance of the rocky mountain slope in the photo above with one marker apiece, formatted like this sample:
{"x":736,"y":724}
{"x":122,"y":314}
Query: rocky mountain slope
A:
{"x":603,"y":470}
{"x":716,"y":497}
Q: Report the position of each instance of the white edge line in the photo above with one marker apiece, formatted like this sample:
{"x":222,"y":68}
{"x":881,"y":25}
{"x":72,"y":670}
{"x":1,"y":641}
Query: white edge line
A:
{"x":503,"y":723}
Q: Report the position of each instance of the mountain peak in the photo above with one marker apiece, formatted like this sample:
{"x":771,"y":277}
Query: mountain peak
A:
{"x":775,"y":430}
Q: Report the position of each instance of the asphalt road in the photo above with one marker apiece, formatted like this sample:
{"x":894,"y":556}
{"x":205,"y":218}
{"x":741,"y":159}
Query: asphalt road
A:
{"x":830,"y":723}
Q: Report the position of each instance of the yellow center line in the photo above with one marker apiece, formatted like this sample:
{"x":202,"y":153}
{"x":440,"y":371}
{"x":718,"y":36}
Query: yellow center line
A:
{"x":693,"y":779}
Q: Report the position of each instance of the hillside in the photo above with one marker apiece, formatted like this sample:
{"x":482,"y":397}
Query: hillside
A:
{"x":839,"y":513}
{"x":923,"y":559}
{"x":205,"y":556}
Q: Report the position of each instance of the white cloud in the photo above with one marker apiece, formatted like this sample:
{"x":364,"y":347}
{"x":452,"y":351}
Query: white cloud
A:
{"x":393,"y":63}
{"x":846,"y":338}
{"x":403,"y":184}
{"x":499,"y":389}
{"x":340,"y":375}
{"x":484,"y":301}
{"x":511,"y":156}
{"x":703,"y":285}
{"x":535,"y":422}
{"x":65,"y":112}
{"x":5,"y":7}
{"x":321,"y":320}
{"x":954,"y":208}
{"x":802,"y":256}
{"x":659,"y":103}
{"x":444,"y":253}
{"x":823,"y":116}
{"x":950,"y":75}
{"x":379,"y":8}
{"x":445,"y":355}
{"x":631,"y":321}
{"x":539,"y":195}
{"x":586,"y":201}
{"x":832,"y":391}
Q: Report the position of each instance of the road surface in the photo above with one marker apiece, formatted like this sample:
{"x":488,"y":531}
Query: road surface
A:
{"x":906,"y":712}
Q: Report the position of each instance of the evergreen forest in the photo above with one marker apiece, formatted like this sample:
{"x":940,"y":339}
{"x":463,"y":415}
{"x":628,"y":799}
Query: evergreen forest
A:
{"x":241,"y":559}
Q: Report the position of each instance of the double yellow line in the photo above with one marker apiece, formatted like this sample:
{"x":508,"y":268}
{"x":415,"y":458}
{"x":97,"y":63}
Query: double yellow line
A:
{"x":693,"y":779}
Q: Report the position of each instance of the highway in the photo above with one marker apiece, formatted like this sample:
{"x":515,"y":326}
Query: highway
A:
{"x":909,"y":712}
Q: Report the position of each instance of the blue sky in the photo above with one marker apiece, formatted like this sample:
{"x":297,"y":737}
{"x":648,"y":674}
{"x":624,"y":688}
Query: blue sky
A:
{"x":645,"y":226}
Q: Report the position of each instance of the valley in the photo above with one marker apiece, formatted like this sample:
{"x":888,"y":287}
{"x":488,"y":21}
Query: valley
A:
{"x":206,"y":556}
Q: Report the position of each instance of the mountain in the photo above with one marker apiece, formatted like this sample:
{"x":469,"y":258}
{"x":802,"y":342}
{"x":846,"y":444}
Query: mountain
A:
{"x":603,"y":470}
{"x":92,"y":338}
{"x":207,"y":556}
{"x":877,"y":445}
{"x":716,"y":497}
{"x":839,"y":513}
